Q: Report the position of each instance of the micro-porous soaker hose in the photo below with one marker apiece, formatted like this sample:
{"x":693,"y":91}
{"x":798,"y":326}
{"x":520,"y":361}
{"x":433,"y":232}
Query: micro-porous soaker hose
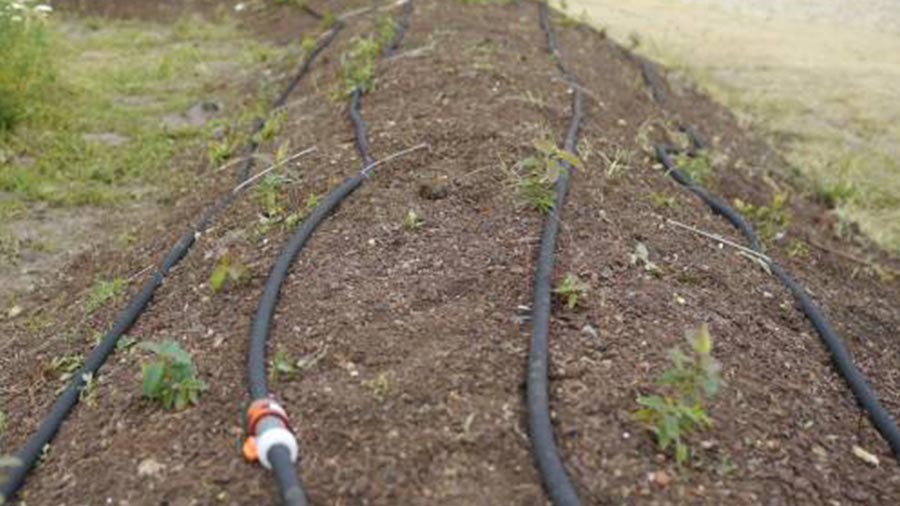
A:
{"x":865,"y":396}
{"x":540,"y":428}
{"x":31,"y":452}
{"x":280,"y":459}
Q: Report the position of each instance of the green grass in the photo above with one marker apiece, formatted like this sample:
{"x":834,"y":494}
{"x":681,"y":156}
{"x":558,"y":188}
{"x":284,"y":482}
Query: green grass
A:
{"x":101,"y":292}
{"x":26,"y":68}
{"x":122,"y":78}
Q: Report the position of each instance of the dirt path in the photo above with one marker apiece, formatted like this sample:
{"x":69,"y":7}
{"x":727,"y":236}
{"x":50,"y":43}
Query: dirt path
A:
{"x":416,"y":394}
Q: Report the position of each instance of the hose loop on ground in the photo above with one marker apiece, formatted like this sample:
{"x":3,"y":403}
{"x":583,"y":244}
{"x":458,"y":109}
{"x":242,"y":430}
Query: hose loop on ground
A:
{"x":540,"y":427}
{"x":291,"y":490}
{"x":843,"y":361}
{"x":31,"y":452}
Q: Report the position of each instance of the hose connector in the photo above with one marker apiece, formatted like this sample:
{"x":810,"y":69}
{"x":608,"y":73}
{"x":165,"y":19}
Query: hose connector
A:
{"x":267,"y":427}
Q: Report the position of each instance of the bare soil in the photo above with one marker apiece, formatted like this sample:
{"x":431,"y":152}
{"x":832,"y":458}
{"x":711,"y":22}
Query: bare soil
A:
{"x":417,"y":397}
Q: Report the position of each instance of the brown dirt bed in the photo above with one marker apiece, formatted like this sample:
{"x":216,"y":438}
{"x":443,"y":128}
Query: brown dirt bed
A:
{"x":418,"y":398}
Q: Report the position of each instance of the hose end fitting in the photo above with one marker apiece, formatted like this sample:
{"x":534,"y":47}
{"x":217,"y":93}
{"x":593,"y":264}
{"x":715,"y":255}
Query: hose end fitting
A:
{"x":268,"y":427}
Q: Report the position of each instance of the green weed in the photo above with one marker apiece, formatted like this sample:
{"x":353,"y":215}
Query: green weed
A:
{"x":538,"y":174}
{"x":412,"y":221}
{"x":770,"y":220}
{"x":835,"y":193}
{"x":571,"y":289}
{"x":698,"y":166}
{"x":663,"y":201}
{"x":358,"y":62}
{"x":170,"y":377}
{"x":687,"y":387}
{"x":228,"y":273}
{"x":65,"y":366}
{"x":101,"y":292}
{"x":358,"y":65}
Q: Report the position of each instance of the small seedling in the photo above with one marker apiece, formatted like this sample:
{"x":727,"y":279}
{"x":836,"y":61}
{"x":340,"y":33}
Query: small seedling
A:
{"x":308,"y":44}
{"x":102,"y":292}
{"x":3,"y":422}
{"x":228,"y":273}
{"x":170,"y":378}
{"x":697,"y":166}
{"x":571,"y":289}
{"x":538,"y":174}
{"x":663,"y":201}
{"x":797,"y":249}
{"x":88,"y":393}
{"x":380,"y":386}
{"x":65,"y":366}
{"x":219,"y":152}
{"x":284,"y":366}
{"x":358,"y":65}
{"x":617,"y":164}
{"x":687,"y":387}
{"x":272,"y":127}
{"x":412,"y":221}
{"x":770,"y":220}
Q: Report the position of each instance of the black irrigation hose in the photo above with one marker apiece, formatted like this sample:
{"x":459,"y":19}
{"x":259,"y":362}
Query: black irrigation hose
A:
{"x":865,"y":396}
{"x":292,"y":492}
{"x":31,"y":452}
{"x":540,"y":428}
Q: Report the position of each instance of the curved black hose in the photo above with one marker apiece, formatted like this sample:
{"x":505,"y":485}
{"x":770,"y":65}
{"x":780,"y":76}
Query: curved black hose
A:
{"x":289,"y":486}
{"x":540,"y":428}
{"x":31,"y":452}
{"x":865,"y":396}
{"x":291,"y":490}
{"x":259,"y":332}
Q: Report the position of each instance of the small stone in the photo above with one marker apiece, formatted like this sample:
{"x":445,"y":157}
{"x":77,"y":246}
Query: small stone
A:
{"x":433,"y":191}
{"x":589,"y":330}
{"x":865,"y":456}
{"x":661,"y":478}
{"x":14,"y":311}
{"x":150,"y":468}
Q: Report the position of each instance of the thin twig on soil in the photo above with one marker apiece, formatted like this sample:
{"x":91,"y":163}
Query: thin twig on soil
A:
{"x":398,"y":154}
{"x":719,"y":238}
{"x":853,"y":258}
{"x":273,"y":167}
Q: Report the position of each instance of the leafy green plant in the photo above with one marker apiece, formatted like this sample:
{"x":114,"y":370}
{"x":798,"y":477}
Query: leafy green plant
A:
{"x":539,"y":172}
{"x":308,"y":44}
{"x":272,"y":127}
{"x":219,"y":151}
{"x":170,"y":377}
{"x":687,"y":388}
{"x":228,"y":273}
{"x":102,"y":291}
{"x":770,"y":220}
{"x":358,"y":65}
{"x":571,"y":289}
{"x":358,"y":62}
{"x":663,"y":201}
{"x":698,"y":166}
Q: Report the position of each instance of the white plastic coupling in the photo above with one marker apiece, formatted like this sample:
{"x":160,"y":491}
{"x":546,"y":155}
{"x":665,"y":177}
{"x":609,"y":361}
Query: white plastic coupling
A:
{"x":272,"y":438}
